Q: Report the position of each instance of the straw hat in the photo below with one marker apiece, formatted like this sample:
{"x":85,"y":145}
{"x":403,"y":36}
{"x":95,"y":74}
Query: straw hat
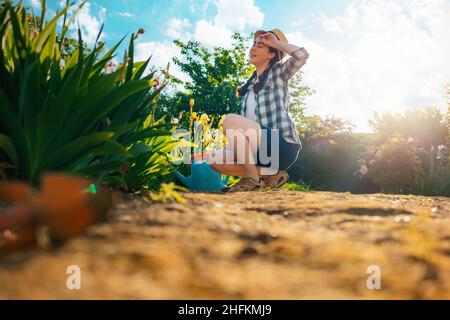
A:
{"x":280,"y":36}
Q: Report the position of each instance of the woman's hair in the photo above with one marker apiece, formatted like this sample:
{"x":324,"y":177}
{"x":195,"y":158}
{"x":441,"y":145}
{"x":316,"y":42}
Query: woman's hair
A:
{"x":263,"y":77}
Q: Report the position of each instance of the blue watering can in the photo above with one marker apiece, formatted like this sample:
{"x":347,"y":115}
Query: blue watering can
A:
{"x":203,"y":178}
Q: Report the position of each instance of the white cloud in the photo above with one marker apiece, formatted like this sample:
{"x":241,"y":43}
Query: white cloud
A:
{"x":125,"y":14}
{"x":90,"y":23}
{"x":238,"y":14}
{"x":102,"y":14}
{"x":161,"y":53}
{"x":382,"y":55}
{"x":176,"y":28}
{"x":232,"y":15}
{"x":36,"y":4}
{"x":212,"y":35}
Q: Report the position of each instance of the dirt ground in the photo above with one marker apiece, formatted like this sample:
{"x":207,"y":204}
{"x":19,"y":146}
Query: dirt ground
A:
{"x":263,"y":245}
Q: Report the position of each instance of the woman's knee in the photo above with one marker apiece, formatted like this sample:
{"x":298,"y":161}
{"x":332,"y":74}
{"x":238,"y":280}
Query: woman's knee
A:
{"x":231,"y":121}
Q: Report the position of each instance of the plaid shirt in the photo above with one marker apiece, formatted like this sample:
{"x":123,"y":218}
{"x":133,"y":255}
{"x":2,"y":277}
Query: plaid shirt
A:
{"x":272,"y":101}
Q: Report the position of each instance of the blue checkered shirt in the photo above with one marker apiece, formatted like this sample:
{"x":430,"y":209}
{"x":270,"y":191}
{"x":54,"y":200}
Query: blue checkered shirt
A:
{"x":273,"y":101}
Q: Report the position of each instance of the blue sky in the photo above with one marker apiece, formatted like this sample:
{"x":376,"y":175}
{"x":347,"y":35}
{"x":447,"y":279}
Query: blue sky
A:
{"x":125,"y":16}
{"x":365,"y":55}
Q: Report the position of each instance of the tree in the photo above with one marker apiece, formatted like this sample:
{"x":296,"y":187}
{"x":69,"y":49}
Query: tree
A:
{"x":314,"y":126}
{"x":298,"y":96}
{"x":214,"y":78}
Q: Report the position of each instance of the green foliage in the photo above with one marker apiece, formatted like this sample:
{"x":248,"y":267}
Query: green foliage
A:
{"x":149,"y":141}
{"x":327,"y":162}
{"x":315,"y":126}
{"x":168,"y":192}
{"x":298,"y":95}
{"x":400,"y":166}
{"x":64,"y":112}
{"x":397,"y":158}
{"x":394,"y":165}
{"x":407,"y":159}
{"x":433,"y":177}
{"x":292,"y":186}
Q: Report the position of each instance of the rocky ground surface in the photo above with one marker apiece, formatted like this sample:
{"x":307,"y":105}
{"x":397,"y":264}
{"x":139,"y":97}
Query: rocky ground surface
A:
{"x":263,"y":245}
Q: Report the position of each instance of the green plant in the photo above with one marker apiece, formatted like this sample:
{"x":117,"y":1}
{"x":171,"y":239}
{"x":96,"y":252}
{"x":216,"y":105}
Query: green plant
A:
{"x":433,"y":177}
{"x":148,"y":141}
{"x":327,"y":162}
{"x":168,"y":193}
{"x":295,"y":186}
{"x":49,"y":113}
{"x":298,"y":94}
{"x":65,"y":112}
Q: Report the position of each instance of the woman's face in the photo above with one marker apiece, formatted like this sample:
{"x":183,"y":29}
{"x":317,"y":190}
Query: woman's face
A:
{"x":259,"y":53}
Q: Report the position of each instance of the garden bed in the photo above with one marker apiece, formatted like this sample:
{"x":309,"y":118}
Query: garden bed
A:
{"x":264,"y":245}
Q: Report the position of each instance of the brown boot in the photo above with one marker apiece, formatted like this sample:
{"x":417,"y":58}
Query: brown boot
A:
{"x":275,"y":181}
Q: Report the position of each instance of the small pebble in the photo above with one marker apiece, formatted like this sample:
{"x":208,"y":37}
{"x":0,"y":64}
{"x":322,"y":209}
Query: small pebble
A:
{"x":125,"y":218}
{"x":274,"y":235}
{"x":402,"y":218}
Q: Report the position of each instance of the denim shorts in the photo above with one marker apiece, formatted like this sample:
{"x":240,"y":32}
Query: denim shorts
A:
{"x":288,"y":151}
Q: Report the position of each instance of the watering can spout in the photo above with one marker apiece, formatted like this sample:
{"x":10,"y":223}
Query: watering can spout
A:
{"x":182,"y":178}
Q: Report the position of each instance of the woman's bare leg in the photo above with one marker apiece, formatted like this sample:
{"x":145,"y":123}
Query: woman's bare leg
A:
{"x":235,"y":170}
{"x":246,"y":135}
{"x":225,"y":165}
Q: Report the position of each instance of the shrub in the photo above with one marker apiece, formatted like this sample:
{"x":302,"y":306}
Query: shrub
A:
{"x":65,"y":112}
{"x":400,"y":166}
{"x":327,"y":162}
{"x":433,"y":177}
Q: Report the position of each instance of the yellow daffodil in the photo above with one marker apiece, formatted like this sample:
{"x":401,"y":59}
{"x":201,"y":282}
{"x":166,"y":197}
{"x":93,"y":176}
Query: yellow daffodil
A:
{"x":194,"y":116}
{"x":220,"y":124}
{"x":204,"y":119}
{"x":206,"y":127}
{"x":191,"y":103}
{"x":221,"y":121}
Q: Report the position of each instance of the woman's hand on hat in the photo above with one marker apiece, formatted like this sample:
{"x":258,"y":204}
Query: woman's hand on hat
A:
{"x":269,"y":39}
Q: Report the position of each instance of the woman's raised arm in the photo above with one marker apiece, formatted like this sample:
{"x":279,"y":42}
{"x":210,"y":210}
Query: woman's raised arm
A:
{"x":298,"y":58}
